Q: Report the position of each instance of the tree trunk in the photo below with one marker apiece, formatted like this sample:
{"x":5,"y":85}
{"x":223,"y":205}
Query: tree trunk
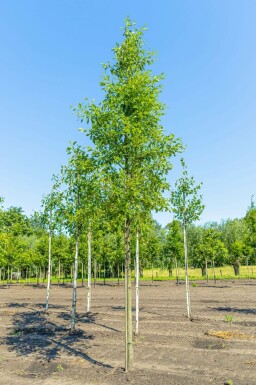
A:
{"x":95,"y":271}
{"x":49,"y":271}
{"x":213,"y":268}
{"x":203,"y":269}
{"x":89,"y":272}
{"x":59,"y":274}
{"x":8,"y":276}
{"x":177,"y":271}
{"x":118,"y":275}
{"x":236,"y":269}
{"x":104,"y":268}
{"x":73,"y":314}
{"x":82,"y":274}
{"x":137,"y":277}
{"x":152,"y":269}
{"x":128,"y":298}
{"x":186,"y":270}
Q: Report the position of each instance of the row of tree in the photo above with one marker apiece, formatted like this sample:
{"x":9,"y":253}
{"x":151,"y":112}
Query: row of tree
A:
{"x":24,"y":247}
{"x":97,"y":216}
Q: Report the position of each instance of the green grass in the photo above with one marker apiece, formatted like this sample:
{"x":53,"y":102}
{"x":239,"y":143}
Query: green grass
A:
{"x":224,"y":272}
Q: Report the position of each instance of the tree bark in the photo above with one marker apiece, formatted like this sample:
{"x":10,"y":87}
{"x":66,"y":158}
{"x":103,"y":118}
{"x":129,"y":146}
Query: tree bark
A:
{"x":95,"y":272}
{"x":177,"y":271}
{"x":186,"y":270}
{"x":89,"y":272}
{"x":236,"y":270}
{"x":59,"y":274}
{"x":73,"y":314}
{"x":128,"y":298}
{"x":137,"y":277}
{"x":49,"y":271}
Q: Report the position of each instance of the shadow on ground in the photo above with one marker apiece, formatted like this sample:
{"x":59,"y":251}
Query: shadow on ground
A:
{"x":35,"y":332}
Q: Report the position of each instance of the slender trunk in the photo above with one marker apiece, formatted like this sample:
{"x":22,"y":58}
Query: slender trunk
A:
{"x":118,"y":274}
{"x":8,"y":275}
{"x":177,"y":272}
{"x":186,"y":270}
{"x":59,"y":274}
{"x":137,"y":277}
{"x":104,"y":271}
{"x":214,"y":275}
{"x":152,"y":269}
{"x":39,"y":274}
{"x":95,"y":271}
{"x":89,"y":272}
{"x":128,"y":299}
{"x":11,"y":276}
{"x":37,"y":277}
{"x":82,"y":274}
{"x":49,"y":271}
{"x":73,"y":313}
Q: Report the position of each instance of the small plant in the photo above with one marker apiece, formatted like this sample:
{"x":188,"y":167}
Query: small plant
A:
{"x":229,"y":318}
{"x":194,"y":284}
{"x":229,"y":382}
{"x":60,"y":367}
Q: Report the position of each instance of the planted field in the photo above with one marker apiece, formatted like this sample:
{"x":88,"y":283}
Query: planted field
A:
{"x":36,"y":348}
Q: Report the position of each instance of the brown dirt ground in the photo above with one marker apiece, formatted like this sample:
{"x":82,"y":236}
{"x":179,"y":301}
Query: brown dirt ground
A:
{"x":36,"y":348}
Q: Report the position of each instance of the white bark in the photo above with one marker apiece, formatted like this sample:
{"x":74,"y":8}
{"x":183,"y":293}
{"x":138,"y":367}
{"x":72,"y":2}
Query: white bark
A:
{"x":137,"y":275}
{"x":186,"y":271}
{"x":89,"y":273}
{"x":49,"y":271}
{"x":73,"y":314}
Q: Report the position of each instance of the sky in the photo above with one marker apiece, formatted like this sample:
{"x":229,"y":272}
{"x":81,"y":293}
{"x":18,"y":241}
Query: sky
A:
{"x":50,"y":60}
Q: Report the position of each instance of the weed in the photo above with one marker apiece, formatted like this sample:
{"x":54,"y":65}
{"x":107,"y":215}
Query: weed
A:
{"x":229,"y":318}
{"x":60,"y":367}
{"x":229,"y":382}
{"x":194,"y":284}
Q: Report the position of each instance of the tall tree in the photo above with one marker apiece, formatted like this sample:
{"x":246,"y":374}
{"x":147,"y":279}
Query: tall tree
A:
{"x":187,"y":206}
{"x":129,"y":145}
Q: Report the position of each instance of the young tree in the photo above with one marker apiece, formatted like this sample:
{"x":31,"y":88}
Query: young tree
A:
{"x":129,"y":145}
{"x":50,"y":205}
{"x":187,"y":206}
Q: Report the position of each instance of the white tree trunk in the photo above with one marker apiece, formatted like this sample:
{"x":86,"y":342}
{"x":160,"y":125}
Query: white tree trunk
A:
{"x":137,"y":275}
{"x":73,"y":314}
{"x":186,"y":271}
{"x":89,"y":273}
{"x":49,"y":271}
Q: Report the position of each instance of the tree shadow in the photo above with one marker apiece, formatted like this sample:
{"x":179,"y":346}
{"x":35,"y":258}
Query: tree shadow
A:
{"x":87,"y":318}
{"x":235,"y":310}
{"x":34,"y":333}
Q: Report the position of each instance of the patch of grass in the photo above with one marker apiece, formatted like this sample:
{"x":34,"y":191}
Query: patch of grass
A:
{"x":59,"y":367}
{"x":229,"y":335}
{"x":229,"y":318}
{"x":229,"y":382}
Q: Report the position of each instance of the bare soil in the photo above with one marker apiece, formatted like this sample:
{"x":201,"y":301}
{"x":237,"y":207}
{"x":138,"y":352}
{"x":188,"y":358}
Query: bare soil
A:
{"x":37,"y":348}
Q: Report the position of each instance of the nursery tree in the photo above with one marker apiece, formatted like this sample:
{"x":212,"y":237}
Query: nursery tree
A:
{"x":187,"y":206}
{"x":129,"y":145}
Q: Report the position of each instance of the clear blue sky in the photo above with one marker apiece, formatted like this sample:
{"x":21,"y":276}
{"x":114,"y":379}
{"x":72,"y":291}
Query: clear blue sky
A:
{"x":50,"y":58}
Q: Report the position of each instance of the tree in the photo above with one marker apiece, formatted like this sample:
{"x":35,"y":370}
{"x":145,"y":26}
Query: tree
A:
{"x":187,"y":207}
{"x":173,"y":248}
{"x":50,"y":205}
{"x":129,"y":145}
